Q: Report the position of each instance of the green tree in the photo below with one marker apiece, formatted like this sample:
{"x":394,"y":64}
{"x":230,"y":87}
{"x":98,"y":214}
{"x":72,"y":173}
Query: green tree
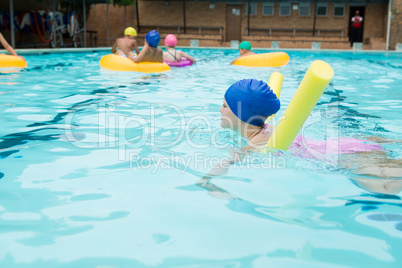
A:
{"x":124,"y":2}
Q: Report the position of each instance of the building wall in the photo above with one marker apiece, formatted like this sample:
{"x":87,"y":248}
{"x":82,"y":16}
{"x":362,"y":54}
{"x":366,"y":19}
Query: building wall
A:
{"x":374,"y":20}
{"x":96,"y":21}
{"x":396,"y":24}
{"x":156,"y":13}
{"x":294,"y":20}
{"x":199,"y":14}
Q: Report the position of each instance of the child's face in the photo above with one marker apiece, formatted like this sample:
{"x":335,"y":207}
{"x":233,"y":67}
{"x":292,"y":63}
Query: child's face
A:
{"x":242,"y":51}
{"x":229,"y":119}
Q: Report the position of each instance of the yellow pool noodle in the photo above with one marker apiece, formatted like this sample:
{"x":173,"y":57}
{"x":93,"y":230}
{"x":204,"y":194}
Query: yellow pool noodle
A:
{"x":275,"y":83}
{"x":311,"y":88}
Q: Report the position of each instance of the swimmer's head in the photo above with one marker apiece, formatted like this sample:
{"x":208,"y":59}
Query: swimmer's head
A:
{"x":130,"y":31}
{"x":250,"y":100}
{"x":170,"y":40}
{"x":244,"y":47}
{"x":153,"y":38}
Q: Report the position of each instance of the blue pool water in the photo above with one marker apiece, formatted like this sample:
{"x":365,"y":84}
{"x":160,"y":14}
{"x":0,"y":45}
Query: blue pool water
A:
{"x":103,"y":169}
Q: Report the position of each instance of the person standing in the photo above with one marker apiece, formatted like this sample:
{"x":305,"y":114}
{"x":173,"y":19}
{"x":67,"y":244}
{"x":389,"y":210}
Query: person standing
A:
{"x":356,"y":28}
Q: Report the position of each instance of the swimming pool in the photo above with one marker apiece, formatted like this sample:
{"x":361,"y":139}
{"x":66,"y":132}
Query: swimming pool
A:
{"x":103,"y":169}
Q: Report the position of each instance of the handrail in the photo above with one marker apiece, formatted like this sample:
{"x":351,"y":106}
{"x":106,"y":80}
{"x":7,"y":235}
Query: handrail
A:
{"x":331,"y":30}
{"x":200,"y":28}
{"x":295,"y":30}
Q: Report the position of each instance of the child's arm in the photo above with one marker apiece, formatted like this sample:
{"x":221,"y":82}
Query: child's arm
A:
{"x":9,"y":48}
{"x":114,"y":48}
{"x":215,"y":190}
{"x":219,"y":170}
{"x":223,"y":167}
{"x":379,"y":186}
{"x":141,"y":56}
{"x":233,"y":61}
{"x":188,"y":57}
{"x":136,"y":47}
{"x":160,"y":55}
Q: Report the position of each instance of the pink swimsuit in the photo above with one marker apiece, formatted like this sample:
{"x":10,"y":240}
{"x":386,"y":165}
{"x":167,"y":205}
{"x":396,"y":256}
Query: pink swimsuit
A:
{"x":344,"y":145}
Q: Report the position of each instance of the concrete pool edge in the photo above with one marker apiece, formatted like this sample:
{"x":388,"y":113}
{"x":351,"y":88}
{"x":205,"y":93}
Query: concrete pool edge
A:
{"x":40,"y":51}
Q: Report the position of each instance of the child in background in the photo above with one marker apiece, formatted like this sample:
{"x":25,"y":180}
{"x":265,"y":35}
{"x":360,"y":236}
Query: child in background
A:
{"x":150,"y":52}
{"x":127,"y":44}
{"x":244,"y":50}
{"x":173,"y":55}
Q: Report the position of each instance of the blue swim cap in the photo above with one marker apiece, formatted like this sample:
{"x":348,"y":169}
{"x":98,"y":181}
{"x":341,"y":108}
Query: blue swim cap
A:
{"x":153,"y":38}
{"x":252,"y":101}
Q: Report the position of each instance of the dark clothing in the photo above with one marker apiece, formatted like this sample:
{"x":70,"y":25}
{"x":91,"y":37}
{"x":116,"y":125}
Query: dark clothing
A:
{"x":356,"y":35}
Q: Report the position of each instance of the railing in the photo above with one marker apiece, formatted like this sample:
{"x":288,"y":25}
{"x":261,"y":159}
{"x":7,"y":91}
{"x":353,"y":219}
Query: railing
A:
{"x":331,"y":30}
{"x":93,"y":38}
{"x":205,"y":28}
{"x":270,"y":30}
{"x":179,"y":29}
{"x":294,"y":31}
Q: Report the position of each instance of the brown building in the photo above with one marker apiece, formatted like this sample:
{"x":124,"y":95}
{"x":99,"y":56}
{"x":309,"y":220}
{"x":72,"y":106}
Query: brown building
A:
{"x":287,"y":24}
{"x":281,"y":23}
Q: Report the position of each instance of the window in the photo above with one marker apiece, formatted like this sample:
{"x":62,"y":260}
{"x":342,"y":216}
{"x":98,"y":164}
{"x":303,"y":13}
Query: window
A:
{"x":268,"y":9}
{"x":253,"y":8}
{"x":304,"y":9}
{"x":339,"y":10}
{"x":284,"y":9}
{"x":322,"y":9}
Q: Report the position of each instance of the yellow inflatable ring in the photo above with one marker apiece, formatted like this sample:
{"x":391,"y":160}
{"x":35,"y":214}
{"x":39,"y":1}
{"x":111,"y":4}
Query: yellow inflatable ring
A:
{"x":118,"y":63}
{"x":9,"y":61}
{"x":273,"y":59}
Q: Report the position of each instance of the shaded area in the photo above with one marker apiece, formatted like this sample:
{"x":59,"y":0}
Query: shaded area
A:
{"x":16,"y":139}
{"x":49,"y":66}
{"x":7,"y":153}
